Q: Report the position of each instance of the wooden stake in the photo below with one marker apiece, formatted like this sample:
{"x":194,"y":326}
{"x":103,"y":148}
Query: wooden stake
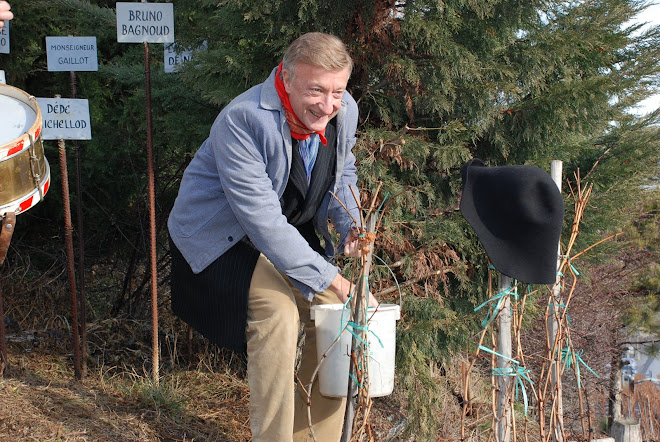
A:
{"x":554,"y":326}
{"x":504,"y":348}
{"x":358,"y":317}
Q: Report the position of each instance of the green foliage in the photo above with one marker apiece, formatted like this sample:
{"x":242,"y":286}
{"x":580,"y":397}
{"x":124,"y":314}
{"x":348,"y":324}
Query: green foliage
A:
{"x":642,"y":233}
{"x":431,"y":332}
{"x":437,"y":83}
{"x":161,"y":397}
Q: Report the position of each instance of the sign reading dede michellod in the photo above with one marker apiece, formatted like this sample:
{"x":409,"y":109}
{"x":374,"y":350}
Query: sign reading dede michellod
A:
{"x":65,"y":119}
{"x":72,"y":54}
{"x":4,"y":38}
{"x":145,"y":22}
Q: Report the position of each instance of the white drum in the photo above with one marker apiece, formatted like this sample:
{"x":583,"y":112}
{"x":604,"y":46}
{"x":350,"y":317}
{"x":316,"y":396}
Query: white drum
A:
{"x":24,"y":170}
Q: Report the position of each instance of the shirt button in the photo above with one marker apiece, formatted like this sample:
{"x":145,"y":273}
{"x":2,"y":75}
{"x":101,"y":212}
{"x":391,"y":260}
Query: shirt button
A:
{"x":231,"y":238}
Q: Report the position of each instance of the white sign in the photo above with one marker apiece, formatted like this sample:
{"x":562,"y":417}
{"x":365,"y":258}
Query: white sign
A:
{"x":4,"y":38}
{"x":65,"y":119}
{"x":3,"y":80}
{"x":145,"y":22}
{"x":173,"y":59}
{"x":72,"y":54}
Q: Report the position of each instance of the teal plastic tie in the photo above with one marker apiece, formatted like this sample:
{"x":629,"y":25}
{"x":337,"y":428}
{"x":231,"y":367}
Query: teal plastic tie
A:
{"x":355,"y":380}
{"x":500,"y":299}
{"x":570,"y":265}
{"x":351,"y":327}
{"x":486,"y":349}
{"x":517,"y":371}
{"x":354,"y":326}
{"x":574,"y":269}
{"x":558,"y":305}
{"x":566,"y":358}
{"x":381,"y":204}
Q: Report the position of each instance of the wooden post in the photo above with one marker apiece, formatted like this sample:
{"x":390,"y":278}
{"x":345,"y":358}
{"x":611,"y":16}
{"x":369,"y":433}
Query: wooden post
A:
{"x":554,"y":327}
{"x":504,"y":364}
{"x":626,"y":430}
{"x":358,"y":317}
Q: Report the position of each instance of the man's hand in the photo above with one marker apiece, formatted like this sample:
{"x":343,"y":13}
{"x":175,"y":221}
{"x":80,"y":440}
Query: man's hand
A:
{"x":343,"y":288}
{"x":352,"y":244}
{"x":5,"y":13}
{"x":358,"y":242}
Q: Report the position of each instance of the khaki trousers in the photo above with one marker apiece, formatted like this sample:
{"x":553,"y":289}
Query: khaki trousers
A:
{"x":278,"y":410}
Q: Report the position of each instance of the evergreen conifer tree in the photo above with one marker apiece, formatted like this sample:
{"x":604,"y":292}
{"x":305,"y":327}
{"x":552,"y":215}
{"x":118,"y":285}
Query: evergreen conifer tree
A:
{"x":437,"y":83}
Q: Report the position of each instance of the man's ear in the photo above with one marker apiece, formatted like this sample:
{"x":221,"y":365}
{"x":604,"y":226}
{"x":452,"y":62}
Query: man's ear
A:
{"x":286,"y":79}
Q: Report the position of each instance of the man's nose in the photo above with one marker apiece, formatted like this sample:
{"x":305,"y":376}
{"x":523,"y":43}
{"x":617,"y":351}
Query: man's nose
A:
{"x":328,"y":104}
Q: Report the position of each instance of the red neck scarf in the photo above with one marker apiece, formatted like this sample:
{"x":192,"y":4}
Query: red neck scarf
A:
{"x":298,"y":129}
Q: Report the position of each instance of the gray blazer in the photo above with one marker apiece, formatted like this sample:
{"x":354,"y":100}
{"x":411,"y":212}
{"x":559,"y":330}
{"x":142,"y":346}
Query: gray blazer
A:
{"x":232,"y":188}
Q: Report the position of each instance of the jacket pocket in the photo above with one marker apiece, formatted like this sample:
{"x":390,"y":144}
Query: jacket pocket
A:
{"x":195,"y":207}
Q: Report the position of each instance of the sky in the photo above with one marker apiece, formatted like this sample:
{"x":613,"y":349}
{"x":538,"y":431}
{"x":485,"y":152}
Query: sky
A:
{"x":652,"y":16}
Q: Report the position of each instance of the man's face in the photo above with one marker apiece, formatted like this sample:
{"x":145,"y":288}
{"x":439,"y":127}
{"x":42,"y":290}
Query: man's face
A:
{"x":315,"y":93}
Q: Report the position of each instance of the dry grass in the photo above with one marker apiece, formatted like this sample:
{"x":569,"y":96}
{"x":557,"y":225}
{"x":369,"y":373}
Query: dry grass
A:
{"x":203,"y":397}
{"x":41,"y":400}
{"x":202,"y":394}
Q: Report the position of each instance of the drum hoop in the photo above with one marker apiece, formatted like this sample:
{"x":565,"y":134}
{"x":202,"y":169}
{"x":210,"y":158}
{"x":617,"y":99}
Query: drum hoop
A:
{"x":29,"y":200}
{"x":21,"y":143}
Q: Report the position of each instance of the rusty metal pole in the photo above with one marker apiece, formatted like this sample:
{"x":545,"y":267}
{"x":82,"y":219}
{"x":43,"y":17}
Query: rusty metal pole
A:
{"x":68,"y":237}
{"x":82,"y":299}
{"x":4,"y":359}
{"x":8,"y":224}
{"x":152,"y":219}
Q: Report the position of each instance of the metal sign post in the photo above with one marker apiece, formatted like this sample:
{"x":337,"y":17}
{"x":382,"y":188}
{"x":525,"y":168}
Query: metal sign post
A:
{"x":7,"y":229}
{"x":67,"y":119}
{"x":76,"y":54}
{"x":68,"y":237}
{"x":148,"y":23}
{"x":152,"y":217}
{"x":81,"y":247}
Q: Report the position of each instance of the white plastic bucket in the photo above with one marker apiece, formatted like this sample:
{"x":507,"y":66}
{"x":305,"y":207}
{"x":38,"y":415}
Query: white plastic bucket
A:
{"x":329,"y":320}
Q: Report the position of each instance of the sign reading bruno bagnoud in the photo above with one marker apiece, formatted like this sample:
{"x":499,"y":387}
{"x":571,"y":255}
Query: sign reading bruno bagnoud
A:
{"x":4,"y":38}
{"x":145,"y":22}
{"x":72,"y":54}
{"x":65,"y":119}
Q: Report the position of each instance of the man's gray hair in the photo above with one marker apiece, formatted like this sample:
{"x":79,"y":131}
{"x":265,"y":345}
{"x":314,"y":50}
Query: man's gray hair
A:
{"x":318,"y":49}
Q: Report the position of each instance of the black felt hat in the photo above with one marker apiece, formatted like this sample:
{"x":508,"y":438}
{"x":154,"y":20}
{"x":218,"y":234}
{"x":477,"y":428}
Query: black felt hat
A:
{"x":518,"y":213}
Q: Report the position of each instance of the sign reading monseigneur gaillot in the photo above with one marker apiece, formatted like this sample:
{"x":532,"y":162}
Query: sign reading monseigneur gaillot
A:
{"x":72,"y":54}
{"x":145,"y":22}
{"x":65,"y":119}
